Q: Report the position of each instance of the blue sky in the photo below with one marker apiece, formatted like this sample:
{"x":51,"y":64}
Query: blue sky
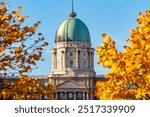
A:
{"x":114,"y":17}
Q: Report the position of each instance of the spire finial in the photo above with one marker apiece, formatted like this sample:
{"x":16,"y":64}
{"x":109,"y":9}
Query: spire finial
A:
{"x":72,"y":14}
{"x":72,"y":5}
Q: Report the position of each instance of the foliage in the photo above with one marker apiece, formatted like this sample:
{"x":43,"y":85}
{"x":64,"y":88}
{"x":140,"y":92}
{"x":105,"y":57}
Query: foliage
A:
{"x":129,"y":76}
{"x":20,"y":48}
{"x":26,"y":89}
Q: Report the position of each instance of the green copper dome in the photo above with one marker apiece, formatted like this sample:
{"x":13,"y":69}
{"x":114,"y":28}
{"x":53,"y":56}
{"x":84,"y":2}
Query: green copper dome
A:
{"x":72,"y":30}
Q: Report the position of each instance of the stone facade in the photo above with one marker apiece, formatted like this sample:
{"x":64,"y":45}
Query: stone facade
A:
{"x":71,"y":59}
{"x":75,"y":85}
{"x":73,"y":70}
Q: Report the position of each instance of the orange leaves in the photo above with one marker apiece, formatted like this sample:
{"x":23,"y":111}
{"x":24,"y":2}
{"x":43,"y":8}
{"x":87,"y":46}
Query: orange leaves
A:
{"x":46,"y":43}
{"x":1,"y":49}
{"x":20,"y":7}
{"x":3,"y":9}
{"x":129,"y":76}
{"x":104,"y":35}
{"x":20,"y":48}
{"x":5,"y":17}
{"x":25,"y":88}
{"x":147,"y":13}
{"x":106,"y":38}
{"x":107,"y":48}
{"x":35,"y":26}
{"x":35,"y":41}
{"x":18,"y":16}
{"x":18,"y":41}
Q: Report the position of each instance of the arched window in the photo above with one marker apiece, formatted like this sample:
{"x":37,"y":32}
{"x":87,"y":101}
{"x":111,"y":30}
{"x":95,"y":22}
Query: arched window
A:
{"x":79,"y":96}
{"x":61,"y":96}
{"x":70,"y":96}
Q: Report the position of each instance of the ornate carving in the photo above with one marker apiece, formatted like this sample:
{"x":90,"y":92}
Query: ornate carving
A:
{"x":63,"y":39}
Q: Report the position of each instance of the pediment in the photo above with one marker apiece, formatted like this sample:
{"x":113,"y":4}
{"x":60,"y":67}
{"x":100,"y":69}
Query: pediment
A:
{"x":71,"y":84}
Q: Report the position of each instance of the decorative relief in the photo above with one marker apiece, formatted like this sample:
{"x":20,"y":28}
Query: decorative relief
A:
{"x":63,"y":39}
{"x":59,"y":60}
{"x":71,"y":84}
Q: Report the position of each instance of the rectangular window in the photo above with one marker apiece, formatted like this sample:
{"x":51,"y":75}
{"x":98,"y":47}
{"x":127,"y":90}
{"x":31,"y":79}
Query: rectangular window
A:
{"x":71,"y":63}
{"x":84,"y":54}
{"x":84,"y":62}
{"x":71,"y":54}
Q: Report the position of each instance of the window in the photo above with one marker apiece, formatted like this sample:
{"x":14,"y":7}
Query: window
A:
{"x":70,"y":96}
{"x":71,"y":54}
{"x":71,"y":63}
{"x":84,"y":63}
{"x":61,"y":96}
{"x":45,"y":83}
{"x":84,"y":53}
{"x":79,"y":96}
{"x":46,"y":97}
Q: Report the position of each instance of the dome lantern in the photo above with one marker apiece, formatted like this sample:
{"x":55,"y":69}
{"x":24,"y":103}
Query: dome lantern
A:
{"x":72,"y":14}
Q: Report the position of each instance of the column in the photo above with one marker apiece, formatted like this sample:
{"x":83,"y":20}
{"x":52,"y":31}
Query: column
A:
{"x":61,"y":60}
{"x":77,"y":59}
{"x":65,"y":94}
{"x":53,"y":96}
{"x":87,"y":96}
{"x":87,"y":82}
{"x":53,"y":59}
{"x":74,"y":95}
{"x":56,"y":96}
{"x":83,"y":95}
{"x":65,"y":59}
{"x":91,"y":94}
{"x":90,"y":60}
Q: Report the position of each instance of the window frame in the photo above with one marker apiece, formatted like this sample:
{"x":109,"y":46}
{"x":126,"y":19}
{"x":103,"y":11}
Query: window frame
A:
{"x":71,"y":63}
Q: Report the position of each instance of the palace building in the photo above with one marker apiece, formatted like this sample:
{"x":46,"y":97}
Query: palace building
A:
{"x":73,"y":61}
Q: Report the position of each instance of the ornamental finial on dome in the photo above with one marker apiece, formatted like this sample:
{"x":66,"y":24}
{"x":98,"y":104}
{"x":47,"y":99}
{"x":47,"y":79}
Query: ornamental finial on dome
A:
{"x":72,"y":14}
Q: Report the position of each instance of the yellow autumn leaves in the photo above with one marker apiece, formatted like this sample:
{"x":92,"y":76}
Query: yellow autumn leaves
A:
{"x":18,"y":42}
{"x":25,"y":89}
{"x":130,"y":70}
{"x":20,"y":48}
